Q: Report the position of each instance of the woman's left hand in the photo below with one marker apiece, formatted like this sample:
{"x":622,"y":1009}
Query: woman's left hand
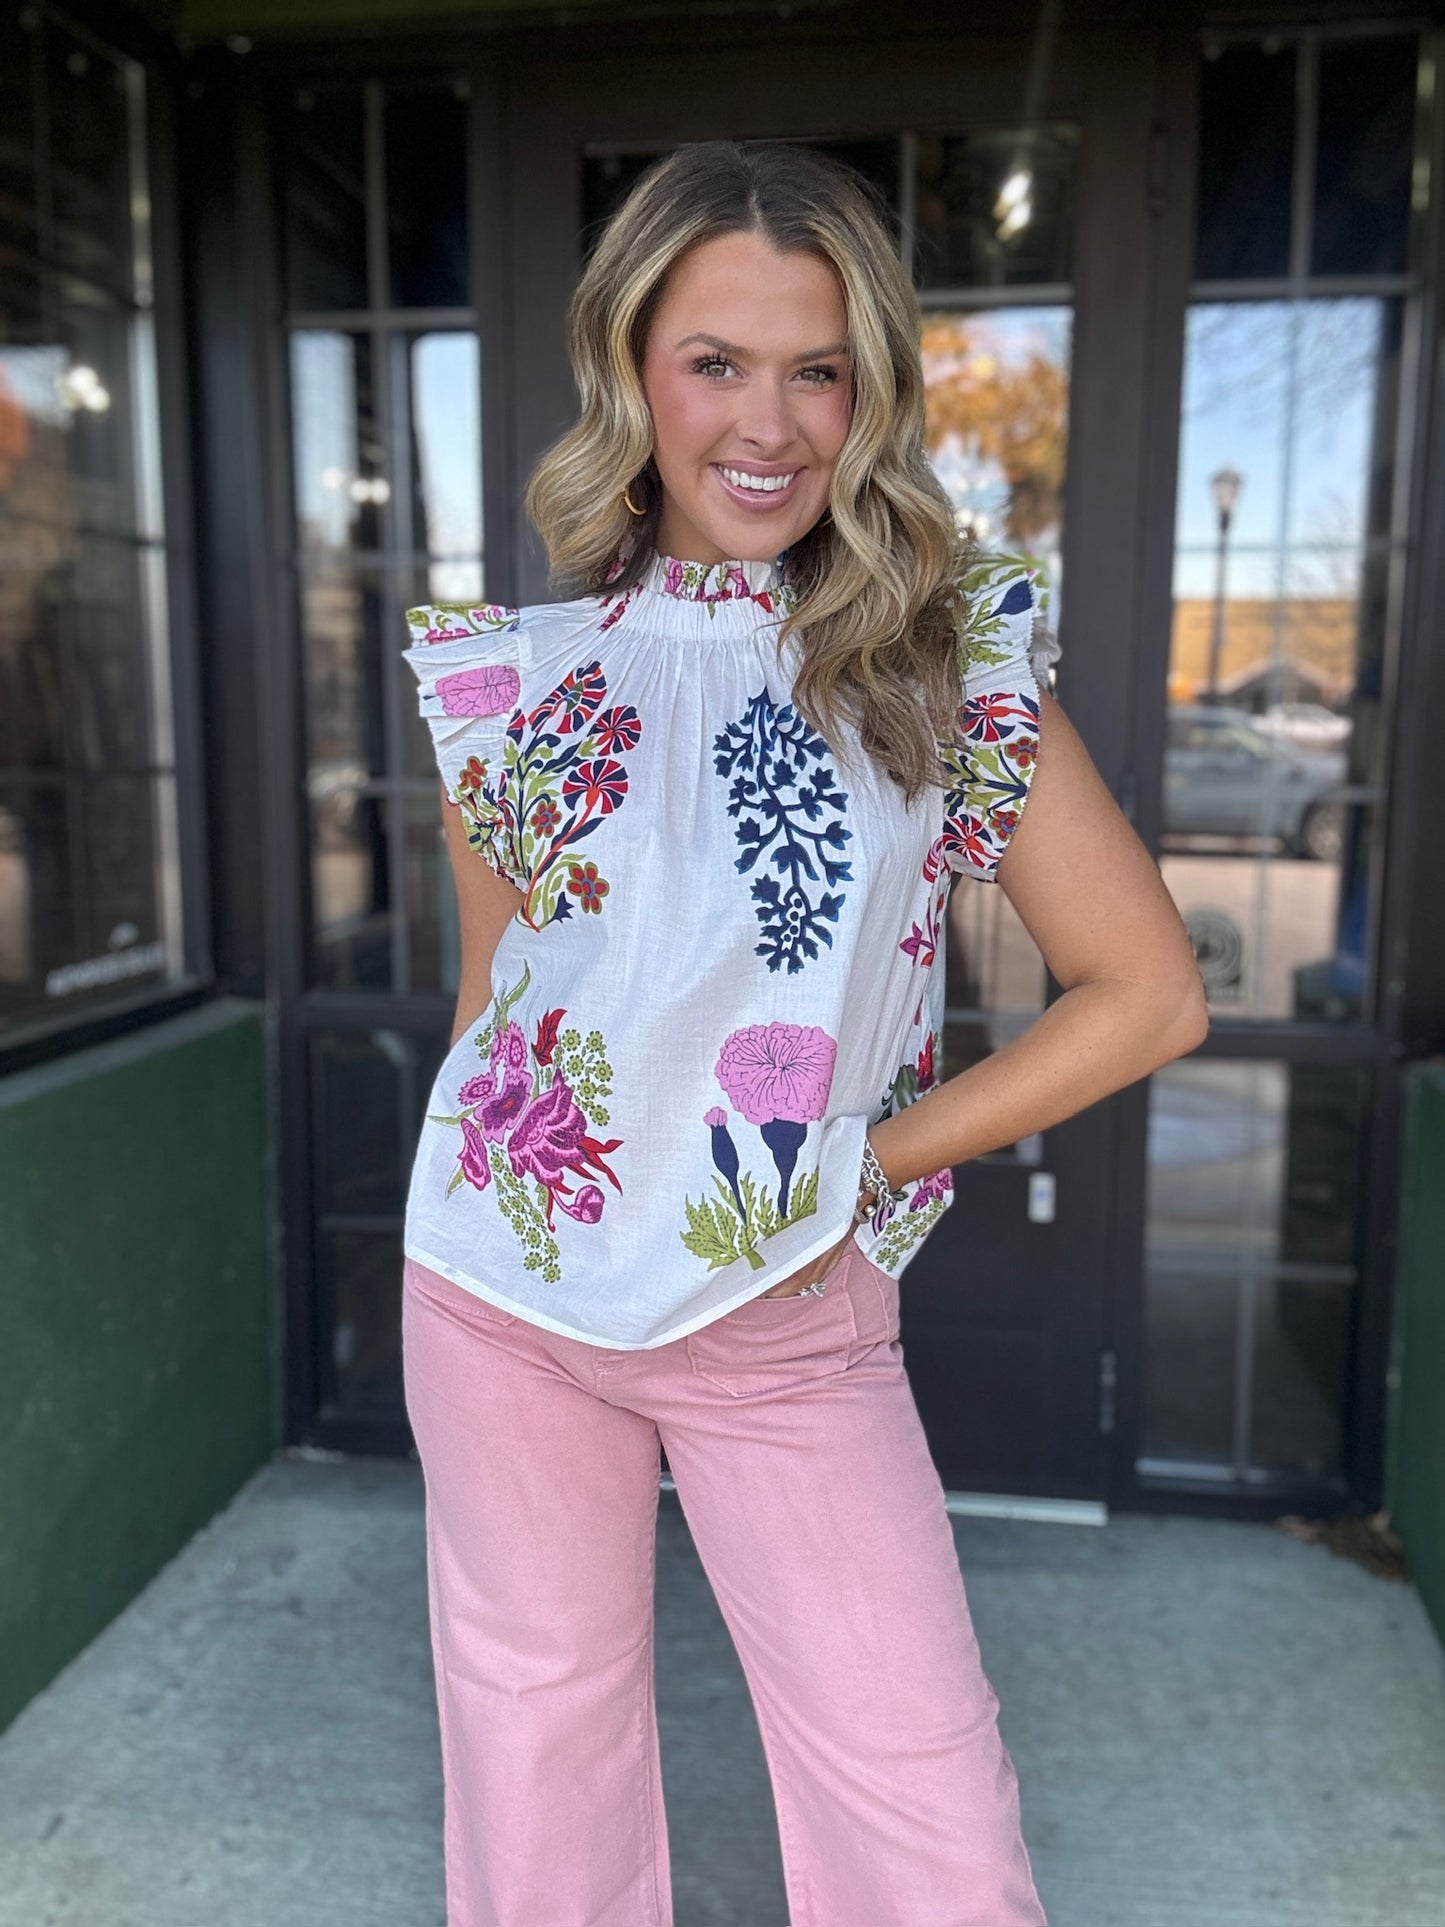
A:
{"x":799,"y":1280}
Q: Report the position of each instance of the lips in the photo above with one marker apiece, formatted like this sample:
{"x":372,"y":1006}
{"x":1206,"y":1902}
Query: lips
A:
{"x":758,"y":499}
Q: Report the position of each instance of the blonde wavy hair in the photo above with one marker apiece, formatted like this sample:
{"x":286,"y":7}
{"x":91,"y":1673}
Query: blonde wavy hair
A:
{"x":879,"y":607}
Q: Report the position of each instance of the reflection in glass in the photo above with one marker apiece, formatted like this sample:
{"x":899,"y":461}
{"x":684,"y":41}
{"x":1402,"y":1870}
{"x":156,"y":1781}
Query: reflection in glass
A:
{"x":358,"y":1277}
{"x":445,"y":377}
{"x":1273,"y":761}
{"x":89,"y":126}
{"x":340,"y":485}
{"x":426,"y":196}
{"x":1250,"y":1255}
{"x":433,"y":931}
{"x":1246,"y":160}
{"x":342,"y":620}
{"x":67,"y":423}
{"x":323,"y":172}
{"x":1364,"y":155}
{"x":997,"y":398}
{"x":350,"y":886}
{"x":995,"y":208}
{"x":356,"y":1082}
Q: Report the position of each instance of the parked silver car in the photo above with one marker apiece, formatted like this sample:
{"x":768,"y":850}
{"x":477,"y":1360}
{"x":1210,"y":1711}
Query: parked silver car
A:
{"x":1224,"y":776}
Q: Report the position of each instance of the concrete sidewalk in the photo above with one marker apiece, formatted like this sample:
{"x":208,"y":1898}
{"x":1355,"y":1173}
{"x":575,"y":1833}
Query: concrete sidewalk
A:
{"x":1214,"y":1725}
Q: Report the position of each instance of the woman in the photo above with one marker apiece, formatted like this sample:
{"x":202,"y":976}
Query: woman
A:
{"x":703,"y":821}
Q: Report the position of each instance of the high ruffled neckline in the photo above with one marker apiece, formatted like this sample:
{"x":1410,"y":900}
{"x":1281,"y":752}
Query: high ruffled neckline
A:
{"x":734,"y":580}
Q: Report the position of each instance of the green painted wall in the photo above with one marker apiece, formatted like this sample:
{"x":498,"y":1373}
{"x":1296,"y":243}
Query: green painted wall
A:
{"x":1415,"y":1475}
{"x":138,"y":1339}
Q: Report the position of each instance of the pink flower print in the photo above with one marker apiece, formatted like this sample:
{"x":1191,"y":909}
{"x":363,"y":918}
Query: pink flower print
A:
{"x":672,"y":576}
{"x":477,"y":1089}
{"x":548,"y":1135}
{"x":484,"y":691}
{"x":500,"y":1111}
{"x":586,"y":1207}
{"x":473,"y":1157}
{"x":736,"y":582}
{"x":777,"y":1071}
{"x":716,"y":1118}
{"x":938,"y":1184}
{"x":925,"y":1064}
{"x":509,"y":1049}
{"x":444,"y":631}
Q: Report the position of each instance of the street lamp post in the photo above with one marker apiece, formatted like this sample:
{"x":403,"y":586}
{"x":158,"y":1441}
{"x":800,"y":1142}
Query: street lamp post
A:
{"x":1224,"y":486}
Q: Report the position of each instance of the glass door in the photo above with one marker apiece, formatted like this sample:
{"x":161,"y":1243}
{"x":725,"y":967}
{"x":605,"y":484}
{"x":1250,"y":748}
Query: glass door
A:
{"x":1289,"y":561}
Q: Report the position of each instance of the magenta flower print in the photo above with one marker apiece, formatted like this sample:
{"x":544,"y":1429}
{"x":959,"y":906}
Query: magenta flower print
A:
{"x":778,"y":1071}
{"x":500,"y":1111}
{"x":484,"y":691}
{"x":475,"y":1166}
{"x":528,"y":1121}
{"x":547,"y":1136}
{"x":509,"y":1048}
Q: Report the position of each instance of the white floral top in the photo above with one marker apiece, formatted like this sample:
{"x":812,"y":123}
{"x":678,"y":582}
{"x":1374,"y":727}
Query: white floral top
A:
{"x":728,"y":959}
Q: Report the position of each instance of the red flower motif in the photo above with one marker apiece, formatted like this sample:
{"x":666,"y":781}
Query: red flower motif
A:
{"x":600,"y":781}
{"x":547,"y":1035}
{"x":585,"y":884}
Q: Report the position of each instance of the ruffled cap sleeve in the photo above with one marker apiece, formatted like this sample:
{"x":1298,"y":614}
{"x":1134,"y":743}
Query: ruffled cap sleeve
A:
{"x":467,"y":662}
{"x":1005,"y":651}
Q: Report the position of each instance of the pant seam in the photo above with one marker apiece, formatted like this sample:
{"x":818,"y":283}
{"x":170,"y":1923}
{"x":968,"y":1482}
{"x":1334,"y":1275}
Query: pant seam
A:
{"x":457,"y":1888}
{"x":660,"y":1917}
{"x":795,"y":1865}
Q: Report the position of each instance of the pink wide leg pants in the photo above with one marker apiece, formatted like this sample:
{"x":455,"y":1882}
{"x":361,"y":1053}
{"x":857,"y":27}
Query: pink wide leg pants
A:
{"x":800,"y":1463}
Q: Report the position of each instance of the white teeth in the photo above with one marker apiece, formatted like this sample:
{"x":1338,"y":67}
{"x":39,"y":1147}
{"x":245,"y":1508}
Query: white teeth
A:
{"x":765,"y":484}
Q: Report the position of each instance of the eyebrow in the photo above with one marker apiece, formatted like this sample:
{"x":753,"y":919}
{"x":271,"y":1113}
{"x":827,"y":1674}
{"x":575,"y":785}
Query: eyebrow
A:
{"x":731,"y":348}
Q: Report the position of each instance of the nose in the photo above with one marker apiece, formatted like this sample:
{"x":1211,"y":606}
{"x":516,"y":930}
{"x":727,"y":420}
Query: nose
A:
{"x":766,"y":421}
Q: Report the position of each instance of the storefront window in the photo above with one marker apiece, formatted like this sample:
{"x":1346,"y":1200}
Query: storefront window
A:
{"x":90,"y":891}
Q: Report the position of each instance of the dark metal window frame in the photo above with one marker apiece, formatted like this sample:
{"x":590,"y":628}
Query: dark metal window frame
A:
{"x":33,"y":1041}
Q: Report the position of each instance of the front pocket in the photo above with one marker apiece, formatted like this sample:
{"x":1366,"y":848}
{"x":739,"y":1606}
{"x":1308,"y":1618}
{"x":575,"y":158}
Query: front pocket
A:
{"x":452,"y":1297}
{"x":769,"y":1345}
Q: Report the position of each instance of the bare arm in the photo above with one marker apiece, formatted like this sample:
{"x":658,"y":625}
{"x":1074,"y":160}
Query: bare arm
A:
{"x":485,"y":905}
{"x":1093,"y":901}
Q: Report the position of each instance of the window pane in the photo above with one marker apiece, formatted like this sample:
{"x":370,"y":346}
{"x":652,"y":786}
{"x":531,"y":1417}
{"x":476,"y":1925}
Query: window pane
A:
{"x":997,"y":427}
{"x":89,"y":129}
{"x":67,"y":424}
{"x":19,"y":198}
{"x":340,"y":486}
{"x":343,"y":616}
{"x":1363,"y":161}
{"x":446,"y":454}
{"x":1273,"y":760}
{"x":359,"y":1284}
{"x":1250,"y":1254}
{"x":324,"y":171}
{"x":74,"y":681}
{"x":351,"y":889}
{"x":1246,"y":161}
{"x":995,"y":209}
{"x":433,"y":931}
{"x":358,"y":1081}
{"x":426,"y":196}
{"x":40,"y":907}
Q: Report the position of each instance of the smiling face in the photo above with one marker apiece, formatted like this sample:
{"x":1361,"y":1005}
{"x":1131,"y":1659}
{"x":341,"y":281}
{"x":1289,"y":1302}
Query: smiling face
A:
{"x":749,"y":383}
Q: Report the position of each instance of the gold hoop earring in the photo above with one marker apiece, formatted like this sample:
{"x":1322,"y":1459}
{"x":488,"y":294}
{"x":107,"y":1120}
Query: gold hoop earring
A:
{"x":631,"y":505}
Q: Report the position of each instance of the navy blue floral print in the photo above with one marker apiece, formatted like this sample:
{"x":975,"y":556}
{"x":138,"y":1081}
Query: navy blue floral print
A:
{"x":794,"y":819}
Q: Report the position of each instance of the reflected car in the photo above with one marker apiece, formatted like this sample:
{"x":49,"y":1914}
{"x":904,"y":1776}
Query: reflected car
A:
{"x":1310,"y":725}
{"x":1225,"y":776}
